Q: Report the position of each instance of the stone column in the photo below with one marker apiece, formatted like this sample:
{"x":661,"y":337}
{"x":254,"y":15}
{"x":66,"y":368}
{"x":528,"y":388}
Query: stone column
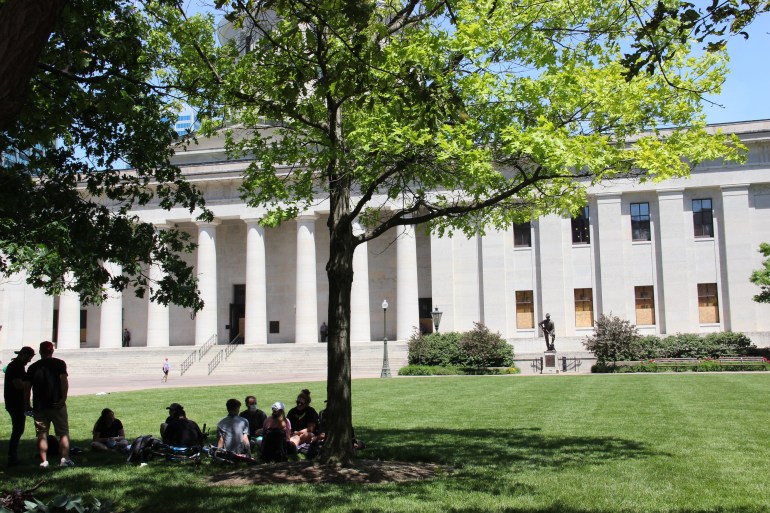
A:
{"x":157,"y":315}
{"x":739,"y":254}
{"x":611,"y":286}
{"x":68,"y":334}
{"x":111,"y":313}
{"x":360,"y":323}
{"x":407,"y":309}
{"x":206,"y":320}
{"x":306,"y":314}
{"x":256,"y":284}
{"x":556,"y":293}
{"x":676,"y":291}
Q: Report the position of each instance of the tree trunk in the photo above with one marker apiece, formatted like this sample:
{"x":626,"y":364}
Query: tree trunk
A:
{"x":25,"y":26}
{"x":338,"y":447}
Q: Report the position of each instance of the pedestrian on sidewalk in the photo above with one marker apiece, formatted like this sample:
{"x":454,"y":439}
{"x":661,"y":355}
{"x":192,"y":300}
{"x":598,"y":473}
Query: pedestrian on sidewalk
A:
{"x":166,"y":369}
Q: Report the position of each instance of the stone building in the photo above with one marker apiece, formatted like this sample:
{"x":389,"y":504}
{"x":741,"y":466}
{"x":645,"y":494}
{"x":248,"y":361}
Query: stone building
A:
{"x":671,"y":257}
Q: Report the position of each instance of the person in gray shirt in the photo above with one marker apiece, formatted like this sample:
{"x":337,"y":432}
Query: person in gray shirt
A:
{"x":233,"y":430}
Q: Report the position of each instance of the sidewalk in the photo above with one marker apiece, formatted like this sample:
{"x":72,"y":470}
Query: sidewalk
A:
{"x":90,"y":385}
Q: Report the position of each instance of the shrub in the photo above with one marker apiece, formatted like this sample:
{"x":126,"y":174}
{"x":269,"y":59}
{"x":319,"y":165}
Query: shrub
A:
{"x":481,"y":348}
{"x":440,"y":349}
{"x":429,"y":370}
{"x":613,"y":339}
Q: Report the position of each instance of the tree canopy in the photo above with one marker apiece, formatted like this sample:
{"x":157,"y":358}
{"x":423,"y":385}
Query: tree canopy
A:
{"x":459,"y":115}
{"x":761,"y":277}
{"x":92,"y":105}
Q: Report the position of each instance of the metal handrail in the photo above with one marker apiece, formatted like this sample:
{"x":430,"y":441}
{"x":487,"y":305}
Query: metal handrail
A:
{"x":188,"y":362}
{"x":219,"y":358}
{"x":232,"y":346}
{"x":205,"y":348}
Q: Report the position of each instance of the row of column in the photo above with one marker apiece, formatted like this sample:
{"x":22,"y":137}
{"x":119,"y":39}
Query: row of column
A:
{"x":306,"y":316}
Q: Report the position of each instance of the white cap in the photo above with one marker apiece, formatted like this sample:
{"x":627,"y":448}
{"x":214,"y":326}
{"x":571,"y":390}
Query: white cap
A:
{"x":278,"y":405}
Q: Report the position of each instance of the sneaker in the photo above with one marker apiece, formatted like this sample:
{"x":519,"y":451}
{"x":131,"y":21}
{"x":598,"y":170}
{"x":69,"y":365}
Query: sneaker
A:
{"x":66,"y":463}
{"x":44,"y":464}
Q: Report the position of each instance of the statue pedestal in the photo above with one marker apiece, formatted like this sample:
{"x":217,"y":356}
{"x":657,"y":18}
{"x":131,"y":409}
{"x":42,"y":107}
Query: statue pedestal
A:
{"x":549,"y":363}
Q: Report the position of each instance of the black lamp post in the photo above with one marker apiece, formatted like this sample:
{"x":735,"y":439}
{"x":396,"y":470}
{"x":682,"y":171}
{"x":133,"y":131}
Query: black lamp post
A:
{"x":385,"y":363}
{"x":436,"y":317}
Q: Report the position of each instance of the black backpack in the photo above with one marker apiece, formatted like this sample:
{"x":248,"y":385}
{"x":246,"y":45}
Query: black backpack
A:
{"x":141,"y":449}
{"x":274,"y":445}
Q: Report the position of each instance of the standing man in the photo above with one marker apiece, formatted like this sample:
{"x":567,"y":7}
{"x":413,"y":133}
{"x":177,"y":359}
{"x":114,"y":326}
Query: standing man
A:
{"x":324,"y":331}
{"x":126,"y":337}
{"x":47,"y":379}
{"x":15,"y":399}
{"x":549,"y":330}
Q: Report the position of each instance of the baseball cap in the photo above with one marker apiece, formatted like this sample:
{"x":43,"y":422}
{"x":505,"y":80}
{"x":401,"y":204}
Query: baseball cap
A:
{"x":46,"y":347}
{"x":25,"y":351}
{"x":278,"y":406}
{"x":174,"y":406}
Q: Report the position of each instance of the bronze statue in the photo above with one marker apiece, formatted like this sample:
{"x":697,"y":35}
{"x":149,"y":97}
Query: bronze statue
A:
{"x":549,"y":330}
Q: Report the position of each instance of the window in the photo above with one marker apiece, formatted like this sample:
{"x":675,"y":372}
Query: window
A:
{"x":640,"y":221}
{"x":275,"y":326}
{"x":708,"y":303}
{"x":703,"y":217}
{"x":645,"y":305}
{"x":584,"y":308}
{"x":525,"y":311}
{"x":580,"y":231}
{"x":522,"y":235}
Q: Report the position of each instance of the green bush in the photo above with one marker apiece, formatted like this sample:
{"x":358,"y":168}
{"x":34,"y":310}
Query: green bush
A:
{"x":429,"y":370}
{"x":481,"y":348}
{"x":437,"y":370}
{"x":614,"y":339}
{"x":440,"y":349}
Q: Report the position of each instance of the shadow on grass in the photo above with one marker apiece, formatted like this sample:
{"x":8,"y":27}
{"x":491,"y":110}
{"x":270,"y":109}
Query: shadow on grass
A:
{"x":515,"y":448}
{"x":487,"y":461}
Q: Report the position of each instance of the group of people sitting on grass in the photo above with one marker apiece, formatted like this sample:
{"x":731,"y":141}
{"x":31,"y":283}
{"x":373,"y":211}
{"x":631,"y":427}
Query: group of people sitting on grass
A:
{"x":277,"y":437}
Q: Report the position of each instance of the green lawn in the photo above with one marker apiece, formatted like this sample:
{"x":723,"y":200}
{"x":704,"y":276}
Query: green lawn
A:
{"x":604,"y":443}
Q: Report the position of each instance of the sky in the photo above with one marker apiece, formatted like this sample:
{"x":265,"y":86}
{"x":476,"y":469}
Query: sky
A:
{"x":746,"y":91}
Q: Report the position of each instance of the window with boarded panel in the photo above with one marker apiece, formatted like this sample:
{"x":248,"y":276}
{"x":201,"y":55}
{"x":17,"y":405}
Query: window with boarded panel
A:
{"x":525,"y":310}
{"x":584,"y":308}
{"x":708,"y":303}
{"x":645,"y":305}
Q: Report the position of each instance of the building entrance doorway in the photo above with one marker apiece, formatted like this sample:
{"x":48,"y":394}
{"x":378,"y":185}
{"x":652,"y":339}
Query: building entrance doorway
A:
{"x":238,"y":314}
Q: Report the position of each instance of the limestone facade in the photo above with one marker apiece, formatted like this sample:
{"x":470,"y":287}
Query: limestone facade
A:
{"x":671,"y":257}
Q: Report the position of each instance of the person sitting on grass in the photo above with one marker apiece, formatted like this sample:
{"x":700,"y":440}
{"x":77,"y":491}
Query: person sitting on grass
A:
{"x":181,"y":431}
{"x":233,"y":430}
{"x":276,"y":432}
{"x":254,"y":415}
{"x":108,"y":433}
{"x":304,"y":420}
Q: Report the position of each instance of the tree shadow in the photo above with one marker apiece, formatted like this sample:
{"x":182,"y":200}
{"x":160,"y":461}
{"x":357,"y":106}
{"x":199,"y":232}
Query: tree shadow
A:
{"x":520,"y":447}
{"x":484,"y":460}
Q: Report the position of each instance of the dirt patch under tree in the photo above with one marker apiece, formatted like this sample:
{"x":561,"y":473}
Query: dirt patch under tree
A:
{"x":362,"y":472}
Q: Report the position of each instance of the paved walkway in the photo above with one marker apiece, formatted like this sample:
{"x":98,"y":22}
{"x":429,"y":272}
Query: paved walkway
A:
{"x":89,"y":385}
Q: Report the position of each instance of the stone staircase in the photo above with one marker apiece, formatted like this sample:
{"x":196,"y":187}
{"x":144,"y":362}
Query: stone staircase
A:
{"x":244,"y":360}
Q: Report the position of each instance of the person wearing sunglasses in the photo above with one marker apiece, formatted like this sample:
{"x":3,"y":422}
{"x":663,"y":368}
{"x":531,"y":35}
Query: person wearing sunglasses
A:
{"x":304,"y":420}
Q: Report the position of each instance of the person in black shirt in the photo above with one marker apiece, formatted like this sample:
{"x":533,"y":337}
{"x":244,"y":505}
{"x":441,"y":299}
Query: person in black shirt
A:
{"x":47,"y":379}
{"x":304,"y":420}
{"x":108,"y":433}
{"x":181,"y":431}
{"x":254,"y":415}
{"x":15,"y":399}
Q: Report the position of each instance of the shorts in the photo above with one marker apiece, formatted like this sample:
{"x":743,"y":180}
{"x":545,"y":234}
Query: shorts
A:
{"x":57,"y":416}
